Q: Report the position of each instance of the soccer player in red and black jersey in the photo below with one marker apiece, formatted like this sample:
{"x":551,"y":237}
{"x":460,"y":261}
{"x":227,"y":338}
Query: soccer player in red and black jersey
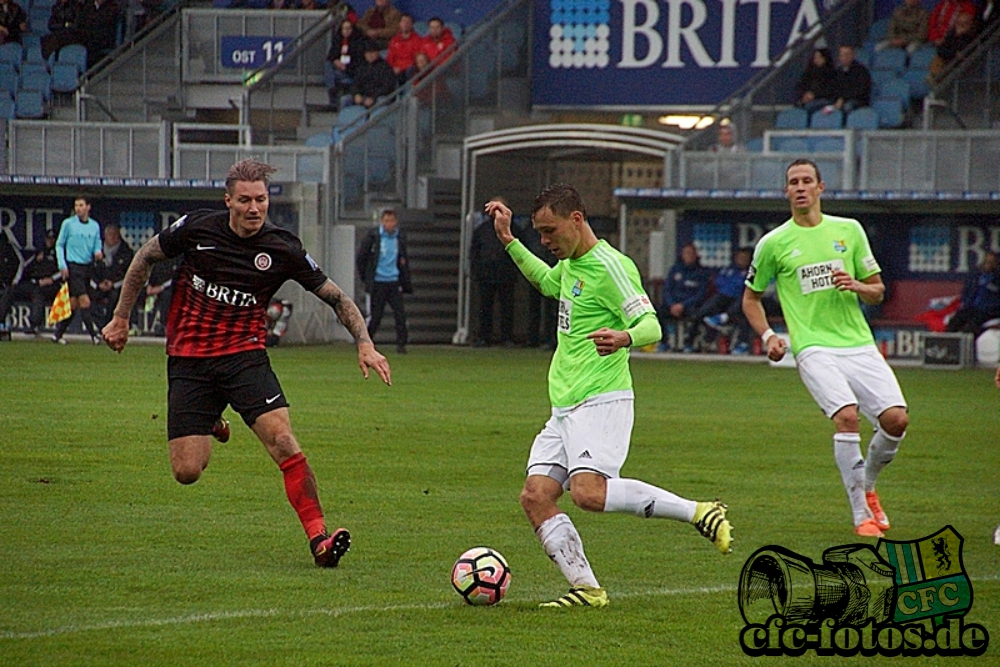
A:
{"x":233,"y":264}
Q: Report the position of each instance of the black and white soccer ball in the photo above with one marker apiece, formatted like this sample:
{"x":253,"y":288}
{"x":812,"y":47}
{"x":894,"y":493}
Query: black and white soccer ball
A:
{"x":481,"y":576}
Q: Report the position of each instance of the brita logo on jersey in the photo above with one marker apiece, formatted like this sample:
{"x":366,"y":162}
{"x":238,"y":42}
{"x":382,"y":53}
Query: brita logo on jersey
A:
{"x":230,"y":297}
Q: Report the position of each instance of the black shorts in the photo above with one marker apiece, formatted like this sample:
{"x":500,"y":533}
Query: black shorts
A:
{"x":79,"y":278}
{"x":200,"y":388}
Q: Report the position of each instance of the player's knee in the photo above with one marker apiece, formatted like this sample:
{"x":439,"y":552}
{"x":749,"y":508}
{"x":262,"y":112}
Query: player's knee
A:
{"x":894,"y":422}
{"x":187,"y":474}
{"x":532,"y":498}
{"x":846,"y":420}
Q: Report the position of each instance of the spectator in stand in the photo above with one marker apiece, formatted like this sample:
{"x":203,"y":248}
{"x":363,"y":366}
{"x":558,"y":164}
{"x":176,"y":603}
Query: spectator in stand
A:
{"x":314,"y":5}
{"x":62,"y":27}
{"x":109,"y":274}
{"x":907,"y":27}
{"x":437,"y":90}
{"x":725,"y":140}
{"x":852,"y":84}
{"x":685,"y":291}
{"x":817,"y":85}
{"x":724,"y":309}
{"x":980,"y":298}
{"x":943,"y":16}
{"x":959,"y":38}
{"x":380,"y":23}
{"x":13,"y":21}
{"x":346,"y":55}
{"x":439,"y":38}
{"x":373,"y":78}
{"x":40,"y":280}
{"x":403,"y":48}
{"x":98,"y":24}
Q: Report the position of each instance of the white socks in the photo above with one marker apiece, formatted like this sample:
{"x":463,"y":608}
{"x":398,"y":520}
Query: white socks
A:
{"x":881,"y":451}
{"x":635,"y":497}
{"x":563,"y":545}
{"x":847,"y":453}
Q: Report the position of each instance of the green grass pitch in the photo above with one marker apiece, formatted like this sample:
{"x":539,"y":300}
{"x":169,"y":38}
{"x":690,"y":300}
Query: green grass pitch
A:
{"x":106,"y":560}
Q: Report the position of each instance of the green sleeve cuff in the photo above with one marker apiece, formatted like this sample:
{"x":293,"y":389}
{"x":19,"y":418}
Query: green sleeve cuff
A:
{"x":646,"y":330}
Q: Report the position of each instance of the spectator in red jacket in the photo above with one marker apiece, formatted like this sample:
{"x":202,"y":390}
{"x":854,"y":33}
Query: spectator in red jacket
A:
{"x":439,"y":38}
{"x":403,"y":48}
{"x":943,"y":18}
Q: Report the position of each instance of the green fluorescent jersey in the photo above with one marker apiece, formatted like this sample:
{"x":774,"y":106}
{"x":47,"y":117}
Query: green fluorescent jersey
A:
{"x":802,"y":259}
{"x":600,"y":289}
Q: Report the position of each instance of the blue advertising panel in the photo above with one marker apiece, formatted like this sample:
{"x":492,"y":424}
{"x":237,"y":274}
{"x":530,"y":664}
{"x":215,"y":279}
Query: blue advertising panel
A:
{"x":251,"y":52}
{"x":658,"y":52}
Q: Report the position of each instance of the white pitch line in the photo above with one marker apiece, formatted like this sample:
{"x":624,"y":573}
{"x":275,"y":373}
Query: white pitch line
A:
{"x":334,"y":613}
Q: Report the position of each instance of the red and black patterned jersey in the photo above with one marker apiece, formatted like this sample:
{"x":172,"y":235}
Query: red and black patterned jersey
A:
{"x":224,"y":283}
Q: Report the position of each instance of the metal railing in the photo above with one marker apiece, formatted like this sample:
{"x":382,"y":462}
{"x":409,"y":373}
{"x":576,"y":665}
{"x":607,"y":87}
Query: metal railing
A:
{"x":938,"y":161}
{"x":53,"y":148}
{"x":295,"y":164}
{"x":969,"y":87}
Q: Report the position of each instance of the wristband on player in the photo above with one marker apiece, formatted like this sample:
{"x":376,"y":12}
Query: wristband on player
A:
{"x":766,"y":335}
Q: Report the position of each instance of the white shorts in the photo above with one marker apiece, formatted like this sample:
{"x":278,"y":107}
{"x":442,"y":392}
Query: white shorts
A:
{"x":854,"y":376}
{"x":592,"y":437}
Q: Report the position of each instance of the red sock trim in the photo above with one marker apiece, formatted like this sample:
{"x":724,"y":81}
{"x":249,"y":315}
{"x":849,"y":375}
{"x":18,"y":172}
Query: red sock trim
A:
{"x":300,"y":487}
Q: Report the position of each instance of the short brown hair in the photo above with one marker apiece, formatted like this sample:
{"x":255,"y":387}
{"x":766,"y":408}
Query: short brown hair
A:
{"x":561,"y":198}
{"x":801,"y":162}
{"x":248,"y":170}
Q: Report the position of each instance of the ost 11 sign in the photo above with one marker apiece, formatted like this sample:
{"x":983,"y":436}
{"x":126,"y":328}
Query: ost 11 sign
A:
{"x":247,"y":52}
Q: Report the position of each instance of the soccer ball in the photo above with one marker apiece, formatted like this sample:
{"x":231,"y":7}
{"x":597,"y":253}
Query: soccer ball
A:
{"x":481,"y":576}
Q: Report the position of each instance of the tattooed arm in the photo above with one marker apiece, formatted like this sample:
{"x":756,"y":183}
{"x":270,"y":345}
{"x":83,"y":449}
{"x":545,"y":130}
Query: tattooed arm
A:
{"x":116,"y":332}
{"x":350,"y":316}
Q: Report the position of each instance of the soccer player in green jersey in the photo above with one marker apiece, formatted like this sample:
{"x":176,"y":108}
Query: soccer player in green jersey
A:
{"x":603,"y":311}
{"x":823,"y":265}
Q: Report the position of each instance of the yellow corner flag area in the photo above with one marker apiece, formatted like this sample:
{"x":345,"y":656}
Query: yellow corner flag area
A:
{"x":60,"y":307}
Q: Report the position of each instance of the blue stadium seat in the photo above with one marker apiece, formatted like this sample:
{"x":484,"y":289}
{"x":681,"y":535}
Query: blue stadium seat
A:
{"x":29,"y":104}
{"x":826,"y":144}
{"x":13,"y":53}
{"x":350,"y":114}
{"x":37,"y":81}
{"x":917,"y":80}
{"x":76,"y":54}
{"x":320,"y":139}
{"x":891,"y":59}
{"x":922,"y":57}
{"x":789,"y":144}
{"x":64,"y":77}
{"x":755,"y":145}
{"x":880,"y":77}
{"x":32,"y":44}
{"x":896,"y":88}
{"x":879,"y":30}
{"x":863,"y":118}
{"x":456,"y":29}
{"x":890,"y":112}
{"x":8,"y":78}
{"x":834,"y":120}
{"x":6,"y":106}
{"x":792,"y":118}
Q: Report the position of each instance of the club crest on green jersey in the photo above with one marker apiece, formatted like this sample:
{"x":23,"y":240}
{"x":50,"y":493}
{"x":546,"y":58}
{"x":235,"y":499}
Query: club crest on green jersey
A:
{"x":578,"y":288}
{"x":840,"y":245}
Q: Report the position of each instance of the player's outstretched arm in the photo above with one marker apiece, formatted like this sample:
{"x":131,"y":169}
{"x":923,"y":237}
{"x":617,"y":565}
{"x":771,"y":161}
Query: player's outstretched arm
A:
{"x":116,"y":332}
{"x":350,"y":316}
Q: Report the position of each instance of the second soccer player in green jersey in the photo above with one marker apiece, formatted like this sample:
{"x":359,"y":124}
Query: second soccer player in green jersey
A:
{"x":603,"y":311}
{"x":823,"y":265}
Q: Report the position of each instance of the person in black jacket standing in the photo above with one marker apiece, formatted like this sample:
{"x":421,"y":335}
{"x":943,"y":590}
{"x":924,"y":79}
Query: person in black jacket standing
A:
{"x":40,"y":280}
{"x":384,"y":266}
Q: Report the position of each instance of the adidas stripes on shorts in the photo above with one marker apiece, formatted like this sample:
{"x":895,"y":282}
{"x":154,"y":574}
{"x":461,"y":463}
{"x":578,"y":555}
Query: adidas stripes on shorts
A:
{"x":591,"y":437}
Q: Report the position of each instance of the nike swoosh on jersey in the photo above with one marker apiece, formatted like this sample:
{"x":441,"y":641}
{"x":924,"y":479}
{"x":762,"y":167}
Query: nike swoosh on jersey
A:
{"x":272,"y":399}
{"x":204,"y":247}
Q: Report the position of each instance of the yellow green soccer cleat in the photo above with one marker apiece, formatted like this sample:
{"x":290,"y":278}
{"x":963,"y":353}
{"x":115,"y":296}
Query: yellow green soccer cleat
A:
{"x":580,"y":596}
{"x":710,"y":520}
